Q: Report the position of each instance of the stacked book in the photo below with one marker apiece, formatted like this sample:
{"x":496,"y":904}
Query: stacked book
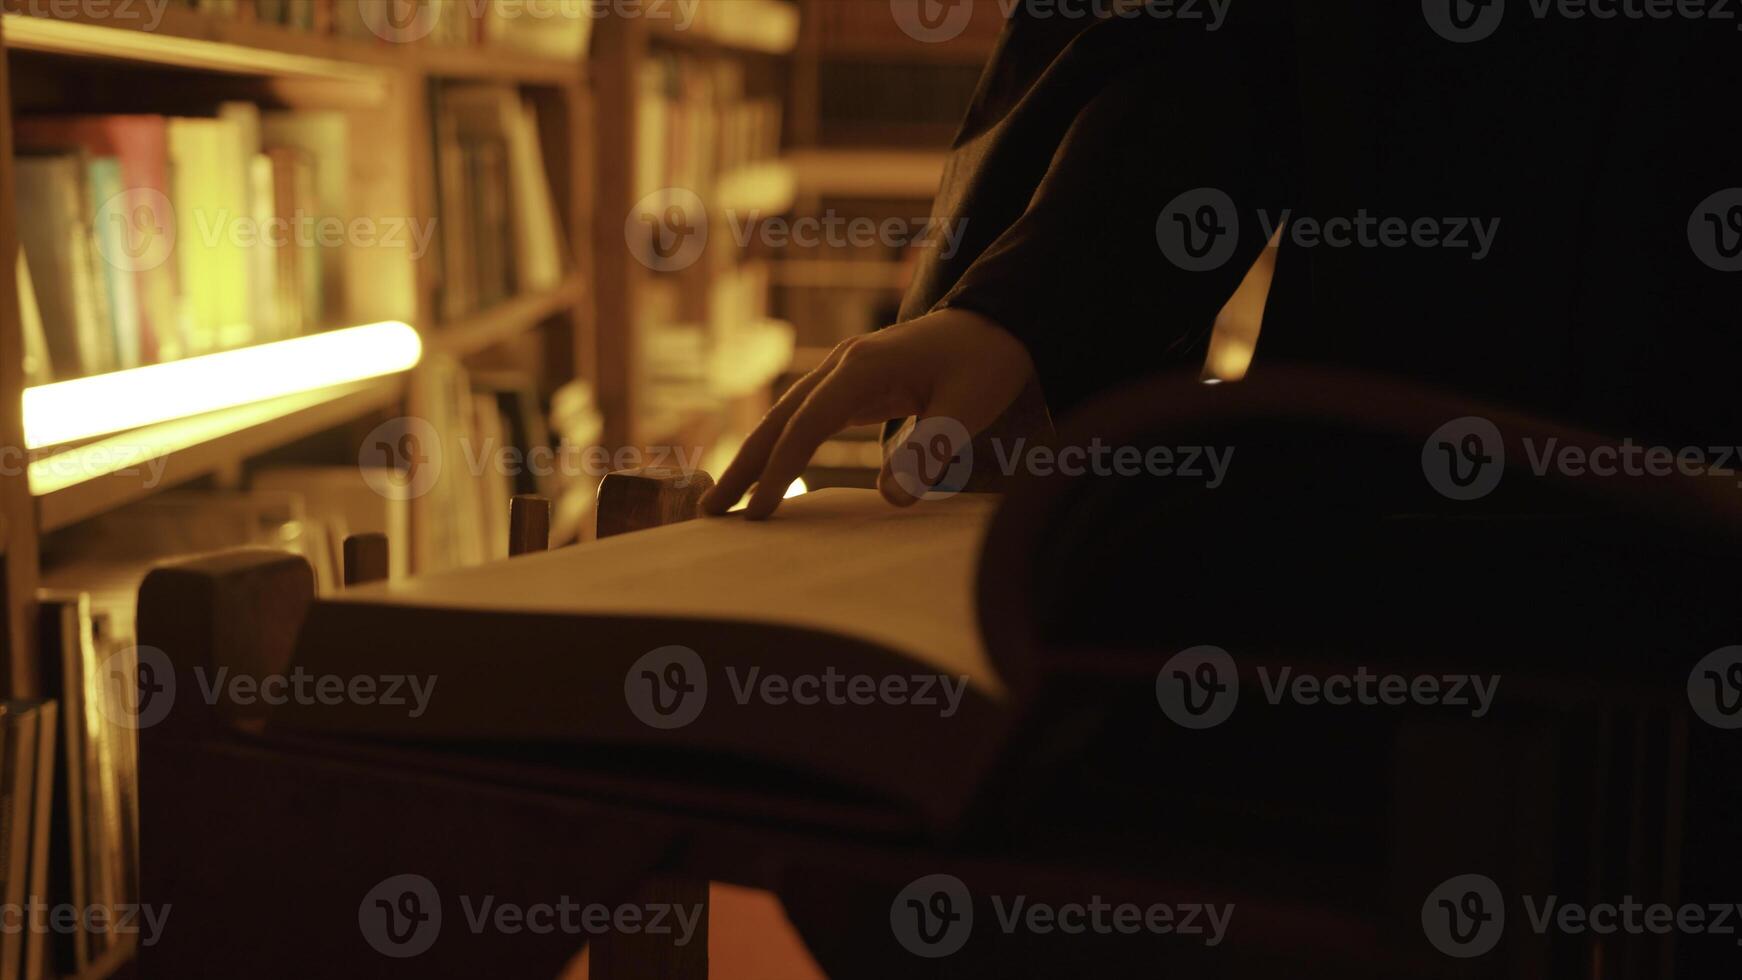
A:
{"x":149,"y":238}
{"x":500,"y":235}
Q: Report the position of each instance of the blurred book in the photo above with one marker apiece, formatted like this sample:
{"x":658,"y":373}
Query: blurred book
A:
{"x":42,"y":817}
{"x":337,"y":502}
{"x":21,"y":733}
{"x":151,"y":238}
{"x":210,"y":189}
{"x":94,"y":849}
{"x":576,"y":426}
{"x":495,"y":460}
{"x":136,"y":227}
{"x":321,"y":193}
{"x":37,"y":368}
{"x":500,"y":231}
{"x":297,"y":258}
{"x":54,"y":230}
{"x":103,"y":175}
{"x":697,"y":123}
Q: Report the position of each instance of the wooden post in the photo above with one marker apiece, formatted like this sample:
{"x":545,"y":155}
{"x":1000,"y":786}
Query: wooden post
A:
{"x":528,"y":525}
{"x":18,"y":540}
{"x":238,"y":611}
{"x":365,"y":559}
{"x":635,"y":500}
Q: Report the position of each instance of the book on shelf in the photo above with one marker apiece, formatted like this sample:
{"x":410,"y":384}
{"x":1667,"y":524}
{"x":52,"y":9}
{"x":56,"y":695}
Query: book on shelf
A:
{"x":209,"y":182}
{"x":337,"y":502}
{"x":698,"y":122}
{"x":575,"y":426}
{"x":138,"y":225}
{"x":54,"y":230}
{"x":311,"y":153}
{"x":523,"y":425}
{"x":37,"y":369}
{"x":450,"y":535}
{"x":27,"y":743}
{"x":20,"y":741}
{"x":500,"y":232}
{"x":94,"y":850}
{"x":42,"y":817}
{"x":494,"y":442}
{"x":149,"y":238}
{"x":496,"y":472}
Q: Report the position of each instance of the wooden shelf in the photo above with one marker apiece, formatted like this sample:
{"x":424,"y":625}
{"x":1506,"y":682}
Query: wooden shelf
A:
{"x":897,"y":174}
{"x":505,"y":321}
{"x":498,"y":64}
{"x":186,"y":39}
{"x":756,"y":26}
{"x":80,"y":483}
{"x":769,"y":188}
{"x":190,"y":39}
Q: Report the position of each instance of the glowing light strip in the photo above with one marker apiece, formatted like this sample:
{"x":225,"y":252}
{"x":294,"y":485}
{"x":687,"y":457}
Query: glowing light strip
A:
{"x":68,"y":411}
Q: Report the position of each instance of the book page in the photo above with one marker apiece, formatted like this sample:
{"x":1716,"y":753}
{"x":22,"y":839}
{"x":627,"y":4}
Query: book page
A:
{"x":838,"y":561}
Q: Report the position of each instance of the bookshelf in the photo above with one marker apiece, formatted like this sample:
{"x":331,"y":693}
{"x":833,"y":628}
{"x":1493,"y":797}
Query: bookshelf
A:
{"x":687,"y":351}
{"x":379,"y":99}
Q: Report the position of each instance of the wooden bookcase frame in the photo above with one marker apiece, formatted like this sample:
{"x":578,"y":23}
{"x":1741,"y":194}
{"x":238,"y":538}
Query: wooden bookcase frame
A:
{"x":385,"y":89}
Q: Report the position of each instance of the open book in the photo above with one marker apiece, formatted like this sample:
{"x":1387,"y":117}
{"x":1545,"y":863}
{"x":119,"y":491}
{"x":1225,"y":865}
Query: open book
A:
{"x":837,"y":643}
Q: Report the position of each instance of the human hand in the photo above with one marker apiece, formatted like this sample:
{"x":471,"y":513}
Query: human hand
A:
{"x":951,"y":364}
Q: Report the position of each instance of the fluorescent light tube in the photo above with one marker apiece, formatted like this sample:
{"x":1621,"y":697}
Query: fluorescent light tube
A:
{"x":84,"y":408}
